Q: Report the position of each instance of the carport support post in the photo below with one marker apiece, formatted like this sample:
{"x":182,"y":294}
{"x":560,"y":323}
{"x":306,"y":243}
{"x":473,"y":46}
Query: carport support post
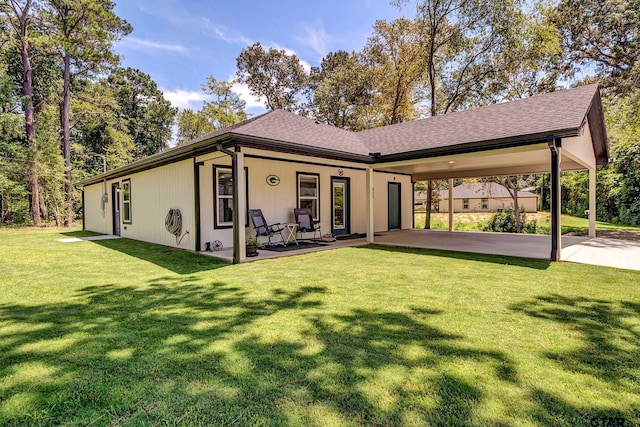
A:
{"x":592,"y":202}
{"x":370,"y":223}
{"x":556,"y":229}
{"x":450,"y":204}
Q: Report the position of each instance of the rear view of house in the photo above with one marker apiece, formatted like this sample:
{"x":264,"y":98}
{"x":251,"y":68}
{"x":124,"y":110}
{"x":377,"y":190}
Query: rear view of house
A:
{"x":352,"y":182}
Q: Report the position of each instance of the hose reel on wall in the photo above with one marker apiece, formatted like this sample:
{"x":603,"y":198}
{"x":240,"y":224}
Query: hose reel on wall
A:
{"x":173,"y":224}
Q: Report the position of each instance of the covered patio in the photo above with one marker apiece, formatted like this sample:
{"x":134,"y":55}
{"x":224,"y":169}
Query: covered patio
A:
{"x":561,"y":131}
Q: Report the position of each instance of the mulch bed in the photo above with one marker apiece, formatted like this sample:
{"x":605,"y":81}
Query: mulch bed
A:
{"x":612,"y":234}
{"x":293,"y":247}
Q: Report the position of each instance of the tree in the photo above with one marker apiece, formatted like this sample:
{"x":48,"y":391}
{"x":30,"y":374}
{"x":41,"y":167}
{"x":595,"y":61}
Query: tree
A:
{"x":81,"y":33}
{"x":395,"y":51}
{"x":343,"y":92}
{"x":530,"y":62}
{"x":18,"y":16}
{"x":273,"y":74}
{"x":143,"y":112}
{"x":604,"y":34}
{"x":223,"y":109}
{"x":192,"y":124}
{"x":461,"y":40}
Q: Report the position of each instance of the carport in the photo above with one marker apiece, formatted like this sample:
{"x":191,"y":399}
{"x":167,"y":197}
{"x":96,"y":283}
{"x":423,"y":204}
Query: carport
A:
{"x":551,"y":133}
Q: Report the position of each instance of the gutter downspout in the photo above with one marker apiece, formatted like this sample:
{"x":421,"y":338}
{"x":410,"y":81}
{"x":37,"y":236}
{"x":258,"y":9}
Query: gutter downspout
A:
{"x":236,"y":197}
{"x":82,"y":190}
{"x":555,"y":145}
{"x":196,"y":189}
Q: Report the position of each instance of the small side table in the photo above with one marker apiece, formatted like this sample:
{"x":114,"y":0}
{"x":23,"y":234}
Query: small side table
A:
{"x":290,"y":233}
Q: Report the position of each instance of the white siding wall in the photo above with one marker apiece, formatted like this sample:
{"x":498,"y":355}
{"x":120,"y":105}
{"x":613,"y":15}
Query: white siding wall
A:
{"x":153,"y":193}
{"x":381,"y":199}
{"x":277,"y":202}
{"x":95,"y":218}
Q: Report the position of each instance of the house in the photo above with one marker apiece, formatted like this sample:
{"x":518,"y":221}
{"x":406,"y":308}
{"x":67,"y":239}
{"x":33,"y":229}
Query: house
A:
{"x":354,"y":182}
{"x":479,"y":197}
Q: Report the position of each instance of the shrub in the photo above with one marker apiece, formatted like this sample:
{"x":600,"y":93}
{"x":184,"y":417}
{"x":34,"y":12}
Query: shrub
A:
{"x":505,"y":222}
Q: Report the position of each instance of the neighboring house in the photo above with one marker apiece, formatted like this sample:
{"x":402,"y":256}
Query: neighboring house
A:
{"x":353,"y":182}
{"x":480,"y":197}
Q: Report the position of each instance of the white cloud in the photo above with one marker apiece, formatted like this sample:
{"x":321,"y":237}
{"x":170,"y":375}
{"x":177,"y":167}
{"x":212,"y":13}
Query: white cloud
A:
{"x":317,"y":39}
{"x":231,"y":36}
{"x":139,"y":44}
{"x":245,"y":94}
{"x":184,"y":98}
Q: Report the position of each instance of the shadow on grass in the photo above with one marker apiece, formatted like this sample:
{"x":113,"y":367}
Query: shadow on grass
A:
{"x":610,"y":351}
{"x":80,"y":233}
{"x":536,"y":264}
{"x":611,"y":343}
{"x":221,"y":355}
{"x":179,"y":261}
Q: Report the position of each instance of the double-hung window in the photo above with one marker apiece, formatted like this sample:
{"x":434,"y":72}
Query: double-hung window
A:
{"x":224,"y":197}
{"x":485,"y":203}
{"x":465,"y":203}
{"x":308,"y":193}
{"x":126,"y":201}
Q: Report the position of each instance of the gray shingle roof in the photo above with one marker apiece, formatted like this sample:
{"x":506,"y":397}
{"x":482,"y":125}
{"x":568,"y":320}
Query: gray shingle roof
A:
{"x":548,"y":113}
{"x":482,"y":190}
{"x":283,"y":126}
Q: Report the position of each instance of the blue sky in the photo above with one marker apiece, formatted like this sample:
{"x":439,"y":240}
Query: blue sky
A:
{"x":182,"y":42}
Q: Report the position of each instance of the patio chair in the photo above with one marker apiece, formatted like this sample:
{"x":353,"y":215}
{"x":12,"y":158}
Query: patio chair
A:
{"x":306,"y":223}
{"x":263,"y":229}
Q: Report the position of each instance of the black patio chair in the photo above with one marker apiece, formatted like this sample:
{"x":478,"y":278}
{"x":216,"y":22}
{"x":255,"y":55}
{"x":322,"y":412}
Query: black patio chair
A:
{"x":263,"y":229}
{"x":306,"y":223}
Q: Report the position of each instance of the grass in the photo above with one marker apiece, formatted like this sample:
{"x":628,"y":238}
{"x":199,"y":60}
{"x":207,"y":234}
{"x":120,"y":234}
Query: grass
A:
{"x":118,"y":332}
{"x":476,"y":220}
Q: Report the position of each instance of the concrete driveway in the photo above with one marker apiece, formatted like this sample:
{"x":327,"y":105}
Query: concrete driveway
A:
{"x":599,"y":251}
{"x":606,"y":252}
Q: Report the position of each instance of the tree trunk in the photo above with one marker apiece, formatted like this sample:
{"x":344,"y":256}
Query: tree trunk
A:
{"x":427,"y":221}
{"x":512,"y":185}
{"x":66,"y":149}
{"x":29,"y":116}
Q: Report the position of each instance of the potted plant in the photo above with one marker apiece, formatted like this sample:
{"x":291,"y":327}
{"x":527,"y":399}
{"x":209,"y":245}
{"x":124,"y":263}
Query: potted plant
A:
{"x":253,"y":244}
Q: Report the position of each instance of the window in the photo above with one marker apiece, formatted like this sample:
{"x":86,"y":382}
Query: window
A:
{"x":485,"y":203}
{"x":126,"y":201}
{"x":223,"y":197}
{"x":308,"y":191}
{"x":465,"y":203}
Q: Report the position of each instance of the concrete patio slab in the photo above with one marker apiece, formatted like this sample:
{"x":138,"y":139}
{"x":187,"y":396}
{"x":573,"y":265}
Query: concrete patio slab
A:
{"x":599,"y":251}
{"x":522,"y":245}
{"x":605,"y":252}
{"x":88,"y":238}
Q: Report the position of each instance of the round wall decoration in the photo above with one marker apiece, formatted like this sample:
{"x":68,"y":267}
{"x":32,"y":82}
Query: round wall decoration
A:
{"x":273,"y":180}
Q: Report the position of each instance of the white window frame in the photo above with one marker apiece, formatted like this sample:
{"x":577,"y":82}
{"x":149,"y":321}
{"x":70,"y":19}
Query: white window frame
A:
{"x":126,"y":203}
{"x":219,"y":197}
{"x":315,"y":177}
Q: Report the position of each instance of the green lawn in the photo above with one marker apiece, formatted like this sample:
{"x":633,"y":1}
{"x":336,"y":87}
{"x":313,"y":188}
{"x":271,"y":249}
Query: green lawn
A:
{"x":119,"y":332}
{"x":475,"y":222}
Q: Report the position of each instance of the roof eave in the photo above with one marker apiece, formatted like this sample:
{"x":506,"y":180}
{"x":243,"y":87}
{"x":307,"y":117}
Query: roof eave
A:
{"x":181,"y":153}
{"x":260,"y":143}
{"x":492,"y":144}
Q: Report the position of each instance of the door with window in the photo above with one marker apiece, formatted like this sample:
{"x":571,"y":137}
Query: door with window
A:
{"x":340,"y":206}
{"x":115,"y":208}
{"x":394,"y":206}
